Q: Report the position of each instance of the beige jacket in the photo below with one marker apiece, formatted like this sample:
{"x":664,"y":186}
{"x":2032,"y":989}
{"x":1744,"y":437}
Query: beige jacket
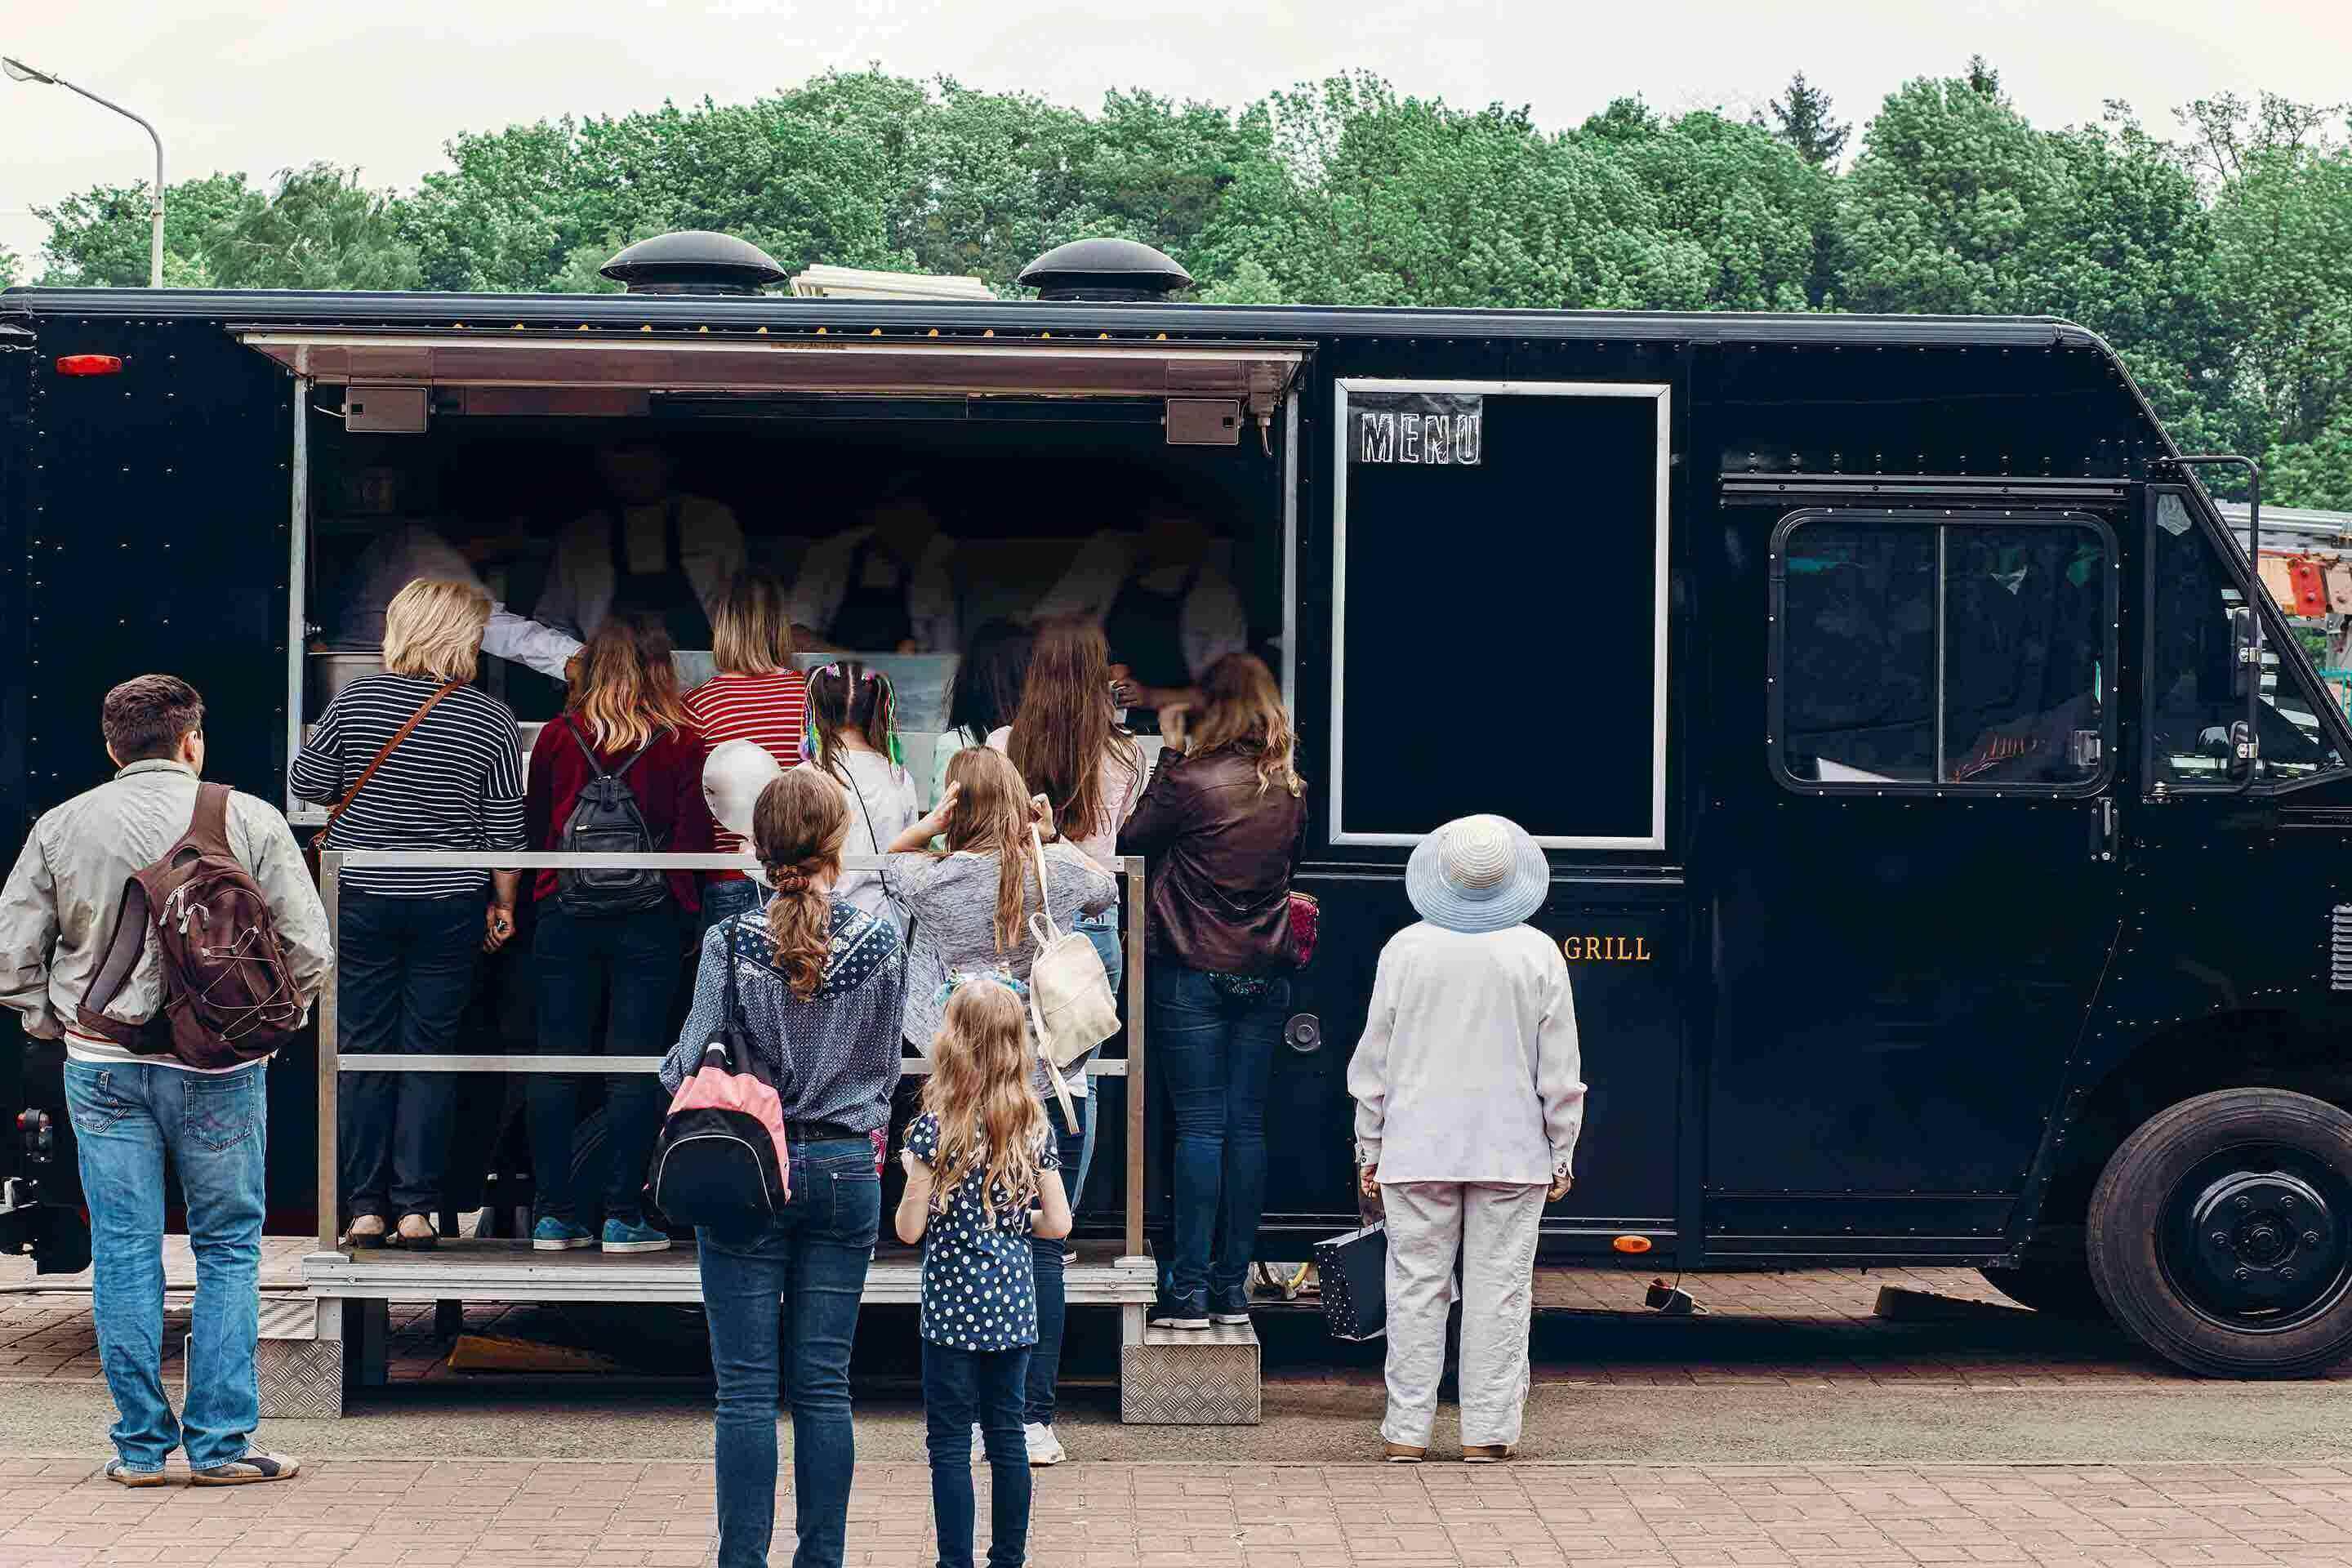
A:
{"x":57,"y":911}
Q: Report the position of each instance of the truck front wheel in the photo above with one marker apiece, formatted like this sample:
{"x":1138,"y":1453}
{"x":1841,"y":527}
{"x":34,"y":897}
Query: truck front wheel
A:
{"x":2220,"y":1234}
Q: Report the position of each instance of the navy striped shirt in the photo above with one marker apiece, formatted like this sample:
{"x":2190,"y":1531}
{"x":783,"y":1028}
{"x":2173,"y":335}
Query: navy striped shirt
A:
{"x":454,"y":783}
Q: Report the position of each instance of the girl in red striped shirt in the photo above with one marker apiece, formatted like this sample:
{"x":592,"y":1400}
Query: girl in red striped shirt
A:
{"x":758,"y":696}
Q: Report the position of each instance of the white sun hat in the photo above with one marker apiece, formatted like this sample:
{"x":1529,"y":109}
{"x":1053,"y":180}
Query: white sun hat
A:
{"x":732,"y":777}
{"x":1477,"y":874}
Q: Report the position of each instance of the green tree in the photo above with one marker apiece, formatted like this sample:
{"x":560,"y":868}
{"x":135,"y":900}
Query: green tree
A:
{"x":1762,"y":214}
{"x":2282,"y":273}
{"x":320,"y":228}
{"x":2315,"y":472}
{"x":8,"y":267}
{"x":99,"y":237}
{"x":1801,"y":118}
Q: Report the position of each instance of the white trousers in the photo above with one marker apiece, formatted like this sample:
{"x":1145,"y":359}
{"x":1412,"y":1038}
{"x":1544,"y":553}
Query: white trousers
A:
{"x":1491,"y":1226}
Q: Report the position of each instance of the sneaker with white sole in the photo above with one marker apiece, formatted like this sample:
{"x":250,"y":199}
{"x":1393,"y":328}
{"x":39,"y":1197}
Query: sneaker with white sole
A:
{"x":1045,"y":1449}
{"x":122,"y":1475}
{"x":633,"y":1235}
{"x":553,"y":1235}
{"x":257,"y":1465}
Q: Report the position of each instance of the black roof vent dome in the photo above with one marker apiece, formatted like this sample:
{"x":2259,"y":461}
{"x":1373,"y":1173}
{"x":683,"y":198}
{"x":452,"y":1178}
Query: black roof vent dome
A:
{"x":1114,"y":270}
{"x":693,"y":261}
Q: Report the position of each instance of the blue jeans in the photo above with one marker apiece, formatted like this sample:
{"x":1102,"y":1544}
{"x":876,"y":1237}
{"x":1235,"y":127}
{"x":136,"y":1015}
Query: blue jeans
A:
{"x":126,"y":1118}
{"x":1215,"y":1054}
{"x":637,"y":957}
{"x":798,"y":1278}
{"x":721,"y":900}
{"x":1076,"y":1151}
{"x":407,"y":971}
{"x":961,"y":1387}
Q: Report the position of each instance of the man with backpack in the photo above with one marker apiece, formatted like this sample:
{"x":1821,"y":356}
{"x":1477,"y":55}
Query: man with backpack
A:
{"x":168,"y":932}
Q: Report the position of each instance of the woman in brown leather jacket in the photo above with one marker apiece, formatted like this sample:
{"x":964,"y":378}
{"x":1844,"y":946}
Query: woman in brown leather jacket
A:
{"x":1221,"y":825}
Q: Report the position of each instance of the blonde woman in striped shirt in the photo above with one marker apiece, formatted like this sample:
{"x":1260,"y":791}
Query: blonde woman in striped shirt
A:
{"x":758,"y":695}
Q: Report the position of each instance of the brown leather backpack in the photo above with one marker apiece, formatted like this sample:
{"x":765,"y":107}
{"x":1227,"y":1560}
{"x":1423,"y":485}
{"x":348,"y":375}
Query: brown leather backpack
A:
{"x":227,"y":997}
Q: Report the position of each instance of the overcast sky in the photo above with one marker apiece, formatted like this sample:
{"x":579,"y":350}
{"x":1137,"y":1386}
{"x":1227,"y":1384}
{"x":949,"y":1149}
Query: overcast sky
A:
{"x":261,"y":85}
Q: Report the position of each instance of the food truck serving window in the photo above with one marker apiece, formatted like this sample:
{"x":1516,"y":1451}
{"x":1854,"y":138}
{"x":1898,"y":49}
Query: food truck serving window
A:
{"x":1948,"y":650}
{"x":1499,"y":610}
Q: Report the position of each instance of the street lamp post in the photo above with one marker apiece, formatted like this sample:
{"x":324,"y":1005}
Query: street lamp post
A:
{"x":19,"y":71}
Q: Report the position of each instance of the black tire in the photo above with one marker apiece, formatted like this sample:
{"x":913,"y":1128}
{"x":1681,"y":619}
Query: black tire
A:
{"x":2053,"y":1289}
{"x":2220,"y":1234}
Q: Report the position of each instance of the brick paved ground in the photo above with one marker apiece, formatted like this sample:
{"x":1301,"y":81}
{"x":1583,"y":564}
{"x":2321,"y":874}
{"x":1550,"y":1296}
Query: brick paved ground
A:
{"x":1802,"y":1329}
{"x":524,"y":1514}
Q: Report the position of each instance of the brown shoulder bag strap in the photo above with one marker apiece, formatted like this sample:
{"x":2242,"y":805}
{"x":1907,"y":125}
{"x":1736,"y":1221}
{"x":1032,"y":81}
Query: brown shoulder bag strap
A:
{"x":390,"y":746}
{"x":208,"y":828}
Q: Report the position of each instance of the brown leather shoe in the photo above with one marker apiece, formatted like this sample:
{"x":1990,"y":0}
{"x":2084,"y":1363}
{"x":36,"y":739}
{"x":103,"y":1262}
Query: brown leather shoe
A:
{"x":417,"y":1233}
{"x":1403,"y":1453}
{"x":1487,"y":1453}
{"x":366,"y":1230}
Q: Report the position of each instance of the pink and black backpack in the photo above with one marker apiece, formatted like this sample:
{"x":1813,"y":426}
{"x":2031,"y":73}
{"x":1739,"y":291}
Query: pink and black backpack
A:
{"x":722,"y":1160}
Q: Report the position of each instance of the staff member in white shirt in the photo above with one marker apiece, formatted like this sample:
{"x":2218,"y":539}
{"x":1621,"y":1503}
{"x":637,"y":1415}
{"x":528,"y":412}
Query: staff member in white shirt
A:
{"x":409,"y":547}
{"x":1167,"y":611}
{"x":652,"y":552}
{"x":1469,"y":1096}
{"x":884,"y":586}
{"x":413,"y":551}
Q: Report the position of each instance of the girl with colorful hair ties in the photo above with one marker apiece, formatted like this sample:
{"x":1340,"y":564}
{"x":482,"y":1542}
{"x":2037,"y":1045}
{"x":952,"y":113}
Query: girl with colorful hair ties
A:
{"x":853,"y":740}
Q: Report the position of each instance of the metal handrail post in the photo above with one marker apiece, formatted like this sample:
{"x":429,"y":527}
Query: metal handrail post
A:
{"x":330,"y":868}
{"x":1137,"y":1085}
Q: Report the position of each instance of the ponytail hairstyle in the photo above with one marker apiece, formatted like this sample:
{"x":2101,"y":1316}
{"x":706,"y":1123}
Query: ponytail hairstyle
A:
{"x":991,"y":1122}
{"x":798,"y":829}
{"x":1064,"y":743}
{"x":848,"y":695}
{"x":1241,"y":708}
{"x":991,"y":817}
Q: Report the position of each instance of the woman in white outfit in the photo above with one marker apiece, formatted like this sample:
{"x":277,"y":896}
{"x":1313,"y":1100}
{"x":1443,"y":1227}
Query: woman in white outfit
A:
{"x":1468,"y":1101}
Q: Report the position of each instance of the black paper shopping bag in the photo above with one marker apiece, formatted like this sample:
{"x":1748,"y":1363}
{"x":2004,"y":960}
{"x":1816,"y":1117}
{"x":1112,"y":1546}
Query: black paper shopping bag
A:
{"x":1354,"y":1271}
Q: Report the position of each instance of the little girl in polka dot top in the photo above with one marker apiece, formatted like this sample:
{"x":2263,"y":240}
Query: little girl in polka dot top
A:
{"x":981,"y":1179}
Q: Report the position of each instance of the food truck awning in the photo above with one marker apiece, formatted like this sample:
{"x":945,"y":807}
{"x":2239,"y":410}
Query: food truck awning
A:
{"x":805,"y":364}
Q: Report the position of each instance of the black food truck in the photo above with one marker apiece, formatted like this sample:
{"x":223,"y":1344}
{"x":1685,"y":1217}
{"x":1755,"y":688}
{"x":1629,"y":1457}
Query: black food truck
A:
{"x":1949,"y":844}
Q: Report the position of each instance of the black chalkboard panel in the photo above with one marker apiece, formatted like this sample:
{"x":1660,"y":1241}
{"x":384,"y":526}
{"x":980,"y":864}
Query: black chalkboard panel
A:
{"x":1499,"y":629}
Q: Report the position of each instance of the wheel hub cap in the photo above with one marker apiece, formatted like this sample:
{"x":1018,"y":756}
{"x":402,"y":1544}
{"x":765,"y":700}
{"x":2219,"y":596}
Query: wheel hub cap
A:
{"x":2261,"y":1242}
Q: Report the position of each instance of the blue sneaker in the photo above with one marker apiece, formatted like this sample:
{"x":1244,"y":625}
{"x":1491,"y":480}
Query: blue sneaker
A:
{"x":553,"y":1235}
{"x":633,"y":1235}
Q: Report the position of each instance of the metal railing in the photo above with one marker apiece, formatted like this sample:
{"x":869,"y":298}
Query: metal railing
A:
{"x":333,"y":1063}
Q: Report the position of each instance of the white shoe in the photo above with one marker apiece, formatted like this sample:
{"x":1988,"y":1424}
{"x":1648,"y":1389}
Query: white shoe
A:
{"x":1045,"y":1449}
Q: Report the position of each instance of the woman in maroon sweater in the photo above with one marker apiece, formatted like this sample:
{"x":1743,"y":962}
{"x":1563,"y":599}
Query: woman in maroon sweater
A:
{"x":610,"y":935}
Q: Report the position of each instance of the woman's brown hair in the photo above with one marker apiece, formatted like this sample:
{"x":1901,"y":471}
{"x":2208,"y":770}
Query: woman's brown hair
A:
{"x":752,"y":627}
{"x":1064,"y":741}
{"x":1241,"y":707}
{"x":627,"y":692}
{"x":798,"y":826}
{"x":990,"y":1119}
{"x":990,"y":817}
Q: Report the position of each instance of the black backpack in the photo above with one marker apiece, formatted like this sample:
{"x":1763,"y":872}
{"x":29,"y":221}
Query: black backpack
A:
{"x":605,"y":820}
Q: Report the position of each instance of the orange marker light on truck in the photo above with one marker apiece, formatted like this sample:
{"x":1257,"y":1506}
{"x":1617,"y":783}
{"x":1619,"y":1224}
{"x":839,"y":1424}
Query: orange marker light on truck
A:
{"x":1632,"y":1244}
{"x":90,"y":365}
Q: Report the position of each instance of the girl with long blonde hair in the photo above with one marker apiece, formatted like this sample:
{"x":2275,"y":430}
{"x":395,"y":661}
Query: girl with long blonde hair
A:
{"x":819,"y":988}
{"x":971,"y":902}
{"x":976,"y":1159}
{"x":610,"y":933}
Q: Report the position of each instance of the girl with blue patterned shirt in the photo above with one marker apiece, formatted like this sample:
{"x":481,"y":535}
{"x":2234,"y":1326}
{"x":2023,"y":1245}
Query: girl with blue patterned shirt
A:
{"x":976,"y":1159}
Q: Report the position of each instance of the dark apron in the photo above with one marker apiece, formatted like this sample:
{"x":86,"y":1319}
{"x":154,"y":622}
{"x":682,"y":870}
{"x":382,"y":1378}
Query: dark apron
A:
{"x":872,"y":619}
{"x":1146,"y":633}
{"x":668,"y":594}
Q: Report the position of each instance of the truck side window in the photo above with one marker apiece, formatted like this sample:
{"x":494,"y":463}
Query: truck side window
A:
{"x":1936,"y":651}
{"x":2192,"y":700}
